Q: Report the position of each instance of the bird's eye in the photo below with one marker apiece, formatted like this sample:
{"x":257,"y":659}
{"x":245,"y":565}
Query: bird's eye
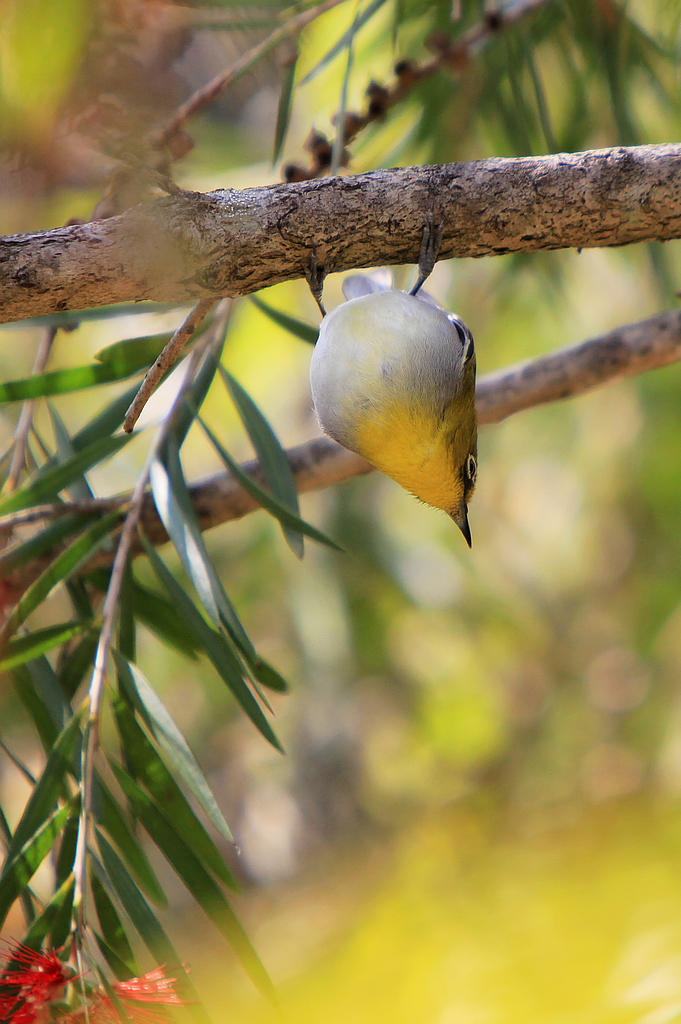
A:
{"x":471,"y":468}
{"x":465,"y":337}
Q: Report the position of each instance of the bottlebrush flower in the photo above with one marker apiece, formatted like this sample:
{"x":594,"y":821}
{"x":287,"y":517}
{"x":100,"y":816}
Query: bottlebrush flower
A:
{"x":32,"y":979}
{"x":153,"y":987}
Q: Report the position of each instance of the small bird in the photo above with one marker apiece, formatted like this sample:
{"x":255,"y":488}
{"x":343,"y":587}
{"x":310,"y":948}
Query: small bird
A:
{"x":393,"y":379}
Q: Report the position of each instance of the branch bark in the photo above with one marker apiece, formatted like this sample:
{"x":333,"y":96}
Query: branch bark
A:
{"x":192,"y":245}
{"x":321,"y":463}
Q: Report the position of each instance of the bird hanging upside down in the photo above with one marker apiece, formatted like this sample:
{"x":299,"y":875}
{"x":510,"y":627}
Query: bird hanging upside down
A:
{"x":393,"y":379}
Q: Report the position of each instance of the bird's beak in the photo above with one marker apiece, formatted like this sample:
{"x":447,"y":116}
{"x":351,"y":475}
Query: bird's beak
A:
{"x":460,"y":517}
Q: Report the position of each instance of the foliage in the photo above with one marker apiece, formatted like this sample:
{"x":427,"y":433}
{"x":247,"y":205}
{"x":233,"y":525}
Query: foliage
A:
{"x":536,"y":676}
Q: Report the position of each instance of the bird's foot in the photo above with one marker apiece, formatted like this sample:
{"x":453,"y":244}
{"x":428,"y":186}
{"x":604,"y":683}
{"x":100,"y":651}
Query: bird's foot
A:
{"x":315,"y":278}
{"x":430,"y":246}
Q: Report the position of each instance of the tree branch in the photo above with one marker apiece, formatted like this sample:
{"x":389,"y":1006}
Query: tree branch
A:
{"x":193,"y":245}
{"x":321,"y":463}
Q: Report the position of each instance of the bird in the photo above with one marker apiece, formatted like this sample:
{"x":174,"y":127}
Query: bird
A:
{"x":393,"y":379}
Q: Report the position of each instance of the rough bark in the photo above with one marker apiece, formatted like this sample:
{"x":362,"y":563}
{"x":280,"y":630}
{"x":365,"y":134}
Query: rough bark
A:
{"x":193,"y":245}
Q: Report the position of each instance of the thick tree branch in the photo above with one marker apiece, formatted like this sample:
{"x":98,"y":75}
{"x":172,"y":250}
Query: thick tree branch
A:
{"x":320,"y":463}
{"x":193,"y":245}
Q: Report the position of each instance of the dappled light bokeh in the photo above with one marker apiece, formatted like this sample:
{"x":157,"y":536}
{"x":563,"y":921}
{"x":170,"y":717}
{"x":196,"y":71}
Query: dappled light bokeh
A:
{"x":478,"y":816}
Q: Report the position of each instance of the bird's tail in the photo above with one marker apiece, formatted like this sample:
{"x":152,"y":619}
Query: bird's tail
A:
{"x":379,"y":280}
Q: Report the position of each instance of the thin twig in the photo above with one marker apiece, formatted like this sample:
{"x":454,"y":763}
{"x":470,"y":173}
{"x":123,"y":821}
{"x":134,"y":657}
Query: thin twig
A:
{"x":292,"y":27}
{"x":23,"y":428}
{"x":97,"y":681}
{"x":38,"y":513}
{"x":167,"y":358}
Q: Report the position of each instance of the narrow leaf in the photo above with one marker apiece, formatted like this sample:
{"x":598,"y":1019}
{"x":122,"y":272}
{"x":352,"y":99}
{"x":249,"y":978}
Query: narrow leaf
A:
{"x":298,"y":328}
{"x":216,"y":647}
{"x":135,"y":905}
{"x":63,"y":565}
{"x":110,"y":923}
{"x":21,"y":865}
{"x":162,"y":618}
{"x":172,"y":741}
{"x":52,"y":916}
{"x":46,"y":540}
{"x":284,"y":108}
{"x":51,"y":480}
{"x":110,"y":816}
{"x":271,"y":455}
{"x":105,"y":422}
{"x":145,"y":922}
{"x":69,"y":320}
{"x":345,"y":40}
{"x":208,"y":895}
{"x":144,"y":763}
{"x":179,"y":518}
{"x":46,"y":792}
{"x":269,"y":503}
{"x":25,"y":648}
{"x":196,"y":393}
{"x":79,"y":489}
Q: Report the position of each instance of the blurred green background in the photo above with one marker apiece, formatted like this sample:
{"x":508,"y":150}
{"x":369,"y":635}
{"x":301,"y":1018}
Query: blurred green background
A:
{"x":478,"y":818}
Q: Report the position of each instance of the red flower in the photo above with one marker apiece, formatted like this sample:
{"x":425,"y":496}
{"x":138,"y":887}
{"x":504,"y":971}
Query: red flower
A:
{"x":36,"y":978}
{"x":153,"y":987}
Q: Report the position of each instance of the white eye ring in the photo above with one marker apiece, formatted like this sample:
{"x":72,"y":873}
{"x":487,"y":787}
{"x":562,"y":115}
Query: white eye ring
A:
{"x":471,"y":468}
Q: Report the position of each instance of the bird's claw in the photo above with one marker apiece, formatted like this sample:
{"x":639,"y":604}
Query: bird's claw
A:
{"x":315,"y":276}
{"x":430,"y":246}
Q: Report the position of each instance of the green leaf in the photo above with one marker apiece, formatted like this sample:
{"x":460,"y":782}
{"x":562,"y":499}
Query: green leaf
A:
{"x":25,"y":648}
{"x":268,"y":676}
{"x":186,"y":412}
{"x":284,"y":108}
{"x":46,"y":540}
{"x":216,"y":647}
{"x":60,"y":929}
{"x":171,"y":740}
{"x":67,"y":847}
{"x":46,"y":791}
{"x":72,"y":319}
{"x":345,"y":39}
{"x":145,"y":922}
{"x":79,"y":489}
{"x":271,"y":456}
{"x":135,"y":905}
{"x":542,"y":104}
{"x":205,"y":891}
{"x":74,"y":666}
{"x":162,"y":618}
{"x":177,"y":514}
{"x":298,"y":328}
{"x":118,"y":966}
{"x":22,"y":862}
{"x":144,"y":762}
{"x":269,"y":503}
{"x":52,"y":479}
{"x":62,"y":382}
{"x":49,"y":691}
{"x":339,"y":141}
{"x":133,"y":354}
{"x":110,"y":923}
{"x":54,"y":918}
{"x":110,"y":816}
{"x":67,"y":562}
{"x":36,"y":708}
{"x":105,"y":422}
